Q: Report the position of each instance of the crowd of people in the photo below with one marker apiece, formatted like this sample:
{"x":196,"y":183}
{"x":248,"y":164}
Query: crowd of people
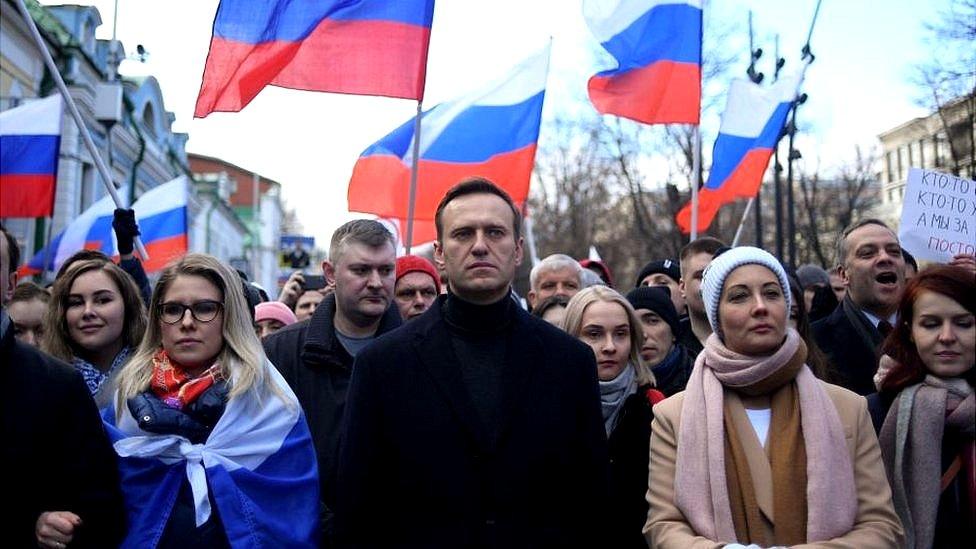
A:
{"x":721,"y":401}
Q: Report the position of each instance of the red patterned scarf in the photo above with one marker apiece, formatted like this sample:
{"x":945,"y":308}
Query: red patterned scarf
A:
{"x":174,"y":387}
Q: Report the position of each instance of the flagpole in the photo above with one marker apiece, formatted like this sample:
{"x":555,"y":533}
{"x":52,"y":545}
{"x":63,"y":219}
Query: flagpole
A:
{"x":76,"y":115}
{"x":414,"y":167}
{"x":47,"y":248}
{"x":530,"y":241}
{"x":695,"y":180}
{"x":742,"y":222}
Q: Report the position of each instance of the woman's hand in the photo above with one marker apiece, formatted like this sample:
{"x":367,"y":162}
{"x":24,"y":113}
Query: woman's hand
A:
{"x":292,"y":289}
{"x":966,"y":261}
{"x":56,"y":528}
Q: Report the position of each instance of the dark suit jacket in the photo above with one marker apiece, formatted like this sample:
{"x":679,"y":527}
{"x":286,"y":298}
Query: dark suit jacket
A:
{"x":55,"y":452}
{"x":417,"y":467}
{"x":853,"y":358}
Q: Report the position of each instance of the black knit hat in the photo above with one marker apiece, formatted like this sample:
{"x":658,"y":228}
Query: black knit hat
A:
{"x":667,"y":267}
{"x":658,"y":300}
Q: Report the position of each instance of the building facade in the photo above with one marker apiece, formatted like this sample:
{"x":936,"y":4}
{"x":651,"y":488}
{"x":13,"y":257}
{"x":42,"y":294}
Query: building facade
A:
{"x":257,"y":201}
{"x":942,"y":141}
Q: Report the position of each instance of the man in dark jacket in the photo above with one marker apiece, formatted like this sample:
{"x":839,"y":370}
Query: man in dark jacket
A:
{"x":873,"y":269}
{"x":62,"y":479}
{"x":316,"y":356}
{"x":475,"y":425}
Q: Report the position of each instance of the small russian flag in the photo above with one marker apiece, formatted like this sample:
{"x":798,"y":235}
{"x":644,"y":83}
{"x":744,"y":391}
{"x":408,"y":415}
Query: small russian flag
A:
{"x":490,"y":133}
{"x":751,"y":126}
{"x":160,"y":212}
{"x":30,"y":138}
{"x":657,"y":45}
{"x":366,"y":47}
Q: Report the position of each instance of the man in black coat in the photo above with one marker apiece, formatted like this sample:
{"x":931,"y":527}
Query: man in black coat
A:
{"x":316,"y":356}
{"x":873,"y":268}
{"x":475,"y":425}
{"x":62,"y":482}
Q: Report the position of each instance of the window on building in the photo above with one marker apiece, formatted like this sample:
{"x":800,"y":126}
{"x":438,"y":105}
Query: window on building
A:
{"x":901,"y":163}
{"x":911,"y":154}
{"x":86,"y":192}
{"x":889,"y":168}
{"x":921,"y":153}
{"x":149,"y":119}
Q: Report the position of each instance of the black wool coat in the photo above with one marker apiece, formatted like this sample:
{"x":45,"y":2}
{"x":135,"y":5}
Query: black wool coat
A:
{"x":56,"y":454}
{"x":417,"y":467}
{"x":629,"y":446}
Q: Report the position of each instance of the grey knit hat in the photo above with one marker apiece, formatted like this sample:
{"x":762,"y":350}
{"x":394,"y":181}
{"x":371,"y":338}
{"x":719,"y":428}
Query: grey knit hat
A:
{"x":723,"y":264}
{"x":812,"y":275}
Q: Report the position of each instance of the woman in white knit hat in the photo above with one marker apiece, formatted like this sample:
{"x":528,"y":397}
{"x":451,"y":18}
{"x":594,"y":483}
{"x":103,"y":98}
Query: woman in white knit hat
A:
{"x":757,"y":451}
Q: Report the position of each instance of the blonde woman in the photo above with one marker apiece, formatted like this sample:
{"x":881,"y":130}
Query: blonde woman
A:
{"x":603,"y":319}
{"x":214,"y":450}
{"x":94,"y":320}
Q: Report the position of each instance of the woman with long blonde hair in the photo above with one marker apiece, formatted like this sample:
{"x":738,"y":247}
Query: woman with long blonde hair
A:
{"x":199,"y":410}
{"x":603,"y":319}
{"x":94,"y":321}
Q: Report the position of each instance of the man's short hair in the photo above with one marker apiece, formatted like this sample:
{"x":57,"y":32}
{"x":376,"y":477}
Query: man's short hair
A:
{"x":705,"y":244}
{"x":359,"y":231}
{"x":476,"y":185}
{"x":13,"y":250}
{"x":554,"y":262}
{"x":842,"y":241}
{"x":28,"y":291}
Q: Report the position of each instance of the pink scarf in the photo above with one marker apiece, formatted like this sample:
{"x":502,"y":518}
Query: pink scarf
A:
{"x":701,"y":491}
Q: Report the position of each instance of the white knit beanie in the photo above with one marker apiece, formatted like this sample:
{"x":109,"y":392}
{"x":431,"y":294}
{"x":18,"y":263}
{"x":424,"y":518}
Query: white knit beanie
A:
{"x":719,"y":269}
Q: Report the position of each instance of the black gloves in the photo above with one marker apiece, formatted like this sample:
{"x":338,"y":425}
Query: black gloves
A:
{"x":126,"y":229}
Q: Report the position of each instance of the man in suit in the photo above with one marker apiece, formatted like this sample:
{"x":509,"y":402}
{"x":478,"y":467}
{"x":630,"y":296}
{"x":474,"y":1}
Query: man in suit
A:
{"x":873,"y":269}
{"x":475,"y":425}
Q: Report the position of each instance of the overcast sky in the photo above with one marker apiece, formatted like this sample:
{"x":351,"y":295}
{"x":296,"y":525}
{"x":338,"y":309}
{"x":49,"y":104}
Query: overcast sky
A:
{"x":859,"y":85}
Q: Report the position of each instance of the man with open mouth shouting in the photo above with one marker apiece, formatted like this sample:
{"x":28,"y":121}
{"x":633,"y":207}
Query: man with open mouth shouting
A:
{"x":873,"y":269}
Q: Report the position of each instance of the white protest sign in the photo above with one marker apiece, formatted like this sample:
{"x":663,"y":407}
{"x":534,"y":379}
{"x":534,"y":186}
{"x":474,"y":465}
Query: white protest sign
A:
{"x":938,"y":218}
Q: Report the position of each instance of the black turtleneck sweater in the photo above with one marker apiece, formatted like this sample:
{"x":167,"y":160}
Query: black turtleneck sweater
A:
{"x":480,"y":339}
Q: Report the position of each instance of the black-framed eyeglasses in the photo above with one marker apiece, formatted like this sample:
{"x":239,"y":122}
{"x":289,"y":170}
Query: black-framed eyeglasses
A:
{"x":172,"y":312}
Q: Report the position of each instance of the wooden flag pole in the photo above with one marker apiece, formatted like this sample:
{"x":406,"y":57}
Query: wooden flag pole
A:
{"x":414,"y":167}
{"x":76,"y":115}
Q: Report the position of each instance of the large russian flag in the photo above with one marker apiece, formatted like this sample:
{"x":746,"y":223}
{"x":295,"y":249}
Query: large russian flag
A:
{"x":30,"y":138}
{"x":366,"y":47}
{"x":162,"y":218}
{"x":751,"y":127}
{"x":657,"y":45}
{"x":490,"y":133}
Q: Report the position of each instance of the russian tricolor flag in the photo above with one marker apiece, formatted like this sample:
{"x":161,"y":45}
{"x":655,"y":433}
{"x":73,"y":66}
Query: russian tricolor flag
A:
{"x":657,"y":45}
{"x":30,"y":138}
{"x":160,"y":212}
{"x":366,"y":47}
{"x":490,"y":133}
{"x":751,"y":127}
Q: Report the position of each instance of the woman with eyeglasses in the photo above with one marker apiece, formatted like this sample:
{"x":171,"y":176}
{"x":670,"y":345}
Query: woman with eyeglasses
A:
{"x":213,"y":448}
{"x":94,"y":320}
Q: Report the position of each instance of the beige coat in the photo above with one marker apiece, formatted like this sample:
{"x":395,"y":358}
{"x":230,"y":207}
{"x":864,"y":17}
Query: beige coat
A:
{"x":876,"y":524}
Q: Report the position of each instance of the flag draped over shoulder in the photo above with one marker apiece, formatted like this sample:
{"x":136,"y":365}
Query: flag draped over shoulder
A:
{"x":160,"y":213}
{"x":257,"y":466}
{"x":657,"y":45}
{"x":30,"y":138}
{"x":752,"y":124}
{"x":491,"y":133}
{"x":365,"y":47}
